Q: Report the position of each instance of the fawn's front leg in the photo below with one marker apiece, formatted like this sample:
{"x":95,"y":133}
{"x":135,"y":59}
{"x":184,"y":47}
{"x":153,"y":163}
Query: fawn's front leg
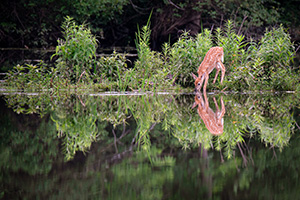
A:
{"x":220,"y":65}
{"x":218,"y":69}
{"x":206,"y":80}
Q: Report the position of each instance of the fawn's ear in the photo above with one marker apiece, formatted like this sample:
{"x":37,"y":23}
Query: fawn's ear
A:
{"x":194,"y":105}
{"x":194,"y":76}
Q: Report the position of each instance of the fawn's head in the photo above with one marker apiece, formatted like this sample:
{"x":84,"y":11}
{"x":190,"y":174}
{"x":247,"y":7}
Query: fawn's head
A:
{"x":197,"y":82}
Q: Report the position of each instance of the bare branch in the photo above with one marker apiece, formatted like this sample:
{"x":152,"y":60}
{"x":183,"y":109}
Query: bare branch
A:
{"x":245,"y":17}
{"x":173,"y":4}
{"x":137,"y":9}
{"x":243,"y":156}
{"x":81,"y":101}
{"x":115,"y":140}
{"x":81,"y":76}
{"x":296,"y":122}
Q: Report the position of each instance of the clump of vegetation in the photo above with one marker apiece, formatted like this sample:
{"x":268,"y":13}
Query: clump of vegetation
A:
{"x":75,"y":52}
{"x":265,"y":65}
{"x":110,"y":72}
{"x":22,"y":77}
{"x":276,"y":52}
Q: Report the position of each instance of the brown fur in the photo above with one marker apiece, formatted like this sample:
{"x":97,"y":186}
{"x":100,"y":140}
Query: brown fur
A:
{"x":212,"y":120}
{"x":213,"y":59}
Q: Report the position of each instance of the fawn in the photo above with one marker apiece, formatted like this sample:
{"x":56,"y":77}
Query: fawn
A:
{"x":213,"y":59}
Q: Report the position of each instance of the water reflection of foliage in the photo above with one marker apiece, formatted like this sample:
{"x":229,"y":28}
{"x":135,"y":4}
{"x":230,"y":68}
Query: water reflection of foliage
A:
{"x":282,"y":184}
{"x":136,"y":176}
{"x":268,"y":115}
{"x":131,"y":181}
{"x":269,"y":175}
{"x":76,"y":123}
{"x":26,"y":144}
{"x":80,"y":120}
{"x":29,"y":104}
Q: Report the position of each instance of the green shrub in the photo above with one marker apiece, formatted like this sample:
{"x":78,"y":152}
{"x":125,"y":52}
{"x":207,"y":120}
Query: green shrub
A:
{"x":263,"y":65}
{"x":76,"y":51}
{"x":276,"y":52}
{"x":112,"y":68}
{"x":250,"y":65}
{"x":276,"y":48}
{"x":28,"y":77}
{"x":108,"y":66}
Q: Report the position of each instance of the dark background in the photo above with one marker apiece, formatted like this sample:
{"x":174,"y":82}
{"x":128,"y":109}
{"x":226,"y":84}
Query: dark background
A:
{"x":37,"y":24}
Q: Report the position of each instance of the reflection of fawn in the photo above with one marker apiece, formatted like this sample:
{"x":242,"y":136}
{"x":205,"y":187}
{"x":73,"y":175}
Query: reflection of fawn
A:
{"x":213,"y":121}
{"x":213,"y":59}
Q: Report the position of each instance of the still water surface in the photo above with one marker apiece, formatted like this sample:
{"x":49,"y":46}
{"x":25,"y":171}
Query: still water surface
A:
{"x":167,"y":146}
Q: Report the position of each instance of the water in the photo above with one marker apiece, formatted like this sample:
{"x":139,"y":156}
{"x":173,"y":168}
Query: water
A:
{"x":149,"y":146}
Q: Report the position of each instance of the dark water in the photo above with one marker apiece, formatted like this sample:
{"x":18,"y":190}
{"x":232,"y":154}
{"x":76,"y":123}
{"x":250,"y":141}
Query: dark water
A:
{"x":168,"y":146}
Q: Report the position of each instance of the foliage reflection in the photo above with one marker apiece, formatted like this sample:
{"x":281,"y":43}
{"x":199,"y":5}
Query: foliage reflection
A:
{"x":81,"y":120}
{"x":135,"y":142}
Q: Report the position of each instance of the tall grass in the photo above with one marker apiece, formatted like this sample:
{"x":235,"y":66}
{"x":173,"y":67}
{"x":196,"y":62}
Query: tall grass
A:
{"x":160,"y":70}
{"x":149,"y":71}
{"x":250,"y":65}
